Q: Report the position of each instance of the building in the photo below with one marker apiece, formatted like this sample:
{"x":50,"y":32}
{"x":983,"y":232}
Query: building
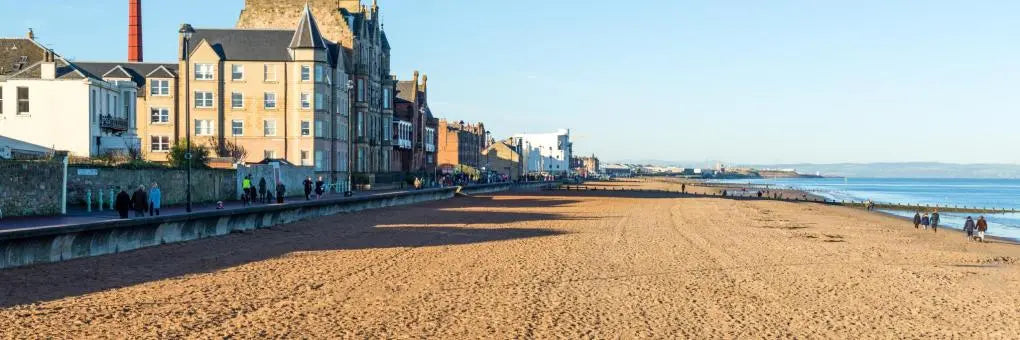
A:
{"x":278,"y":93}
{"x":585,"y":166}
{"x":547,"y":153}
{"x":460,"y":145}
{"x":618,"y":170}
{"x":503,"y":158}
{"x":414,"y":129}
{"x":357,"y":31}
{"x":47,"y":100}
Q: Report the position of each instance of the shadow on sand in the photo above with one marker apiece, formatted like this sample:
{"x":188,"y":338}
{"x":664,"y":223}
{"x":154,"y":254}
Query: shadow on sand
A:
{"x":425,"y":225}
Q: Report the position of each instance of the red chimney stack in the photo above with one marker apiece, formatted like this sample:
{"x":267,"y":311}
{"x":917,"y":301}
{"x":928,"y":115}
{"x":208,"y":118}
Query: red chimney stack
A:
{"x":135,"y":30}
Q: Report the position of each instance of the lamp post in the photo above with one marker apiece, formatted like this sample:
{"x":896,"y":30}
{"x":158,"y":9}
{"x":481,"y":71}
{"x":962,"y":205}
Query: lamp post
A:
{"x":186,"y":32}
{"x":350,"y":135}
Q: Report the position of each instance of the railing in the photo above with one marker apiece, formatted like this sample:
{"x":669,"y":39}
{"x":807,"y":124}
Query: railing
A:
{"x":113,"y":123}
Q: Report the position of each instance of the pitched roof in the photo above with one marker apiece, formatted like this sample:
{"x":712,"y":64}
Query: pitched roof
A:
{"x":17,"y":54}
{"x":385,"y":42}
{"x":117,"y":72}
{"x":137,"y":72}
{"x":405,"y":90}
{"x":307,"y":34}
{"x":245,"y":44}
{"x":64,"y":71}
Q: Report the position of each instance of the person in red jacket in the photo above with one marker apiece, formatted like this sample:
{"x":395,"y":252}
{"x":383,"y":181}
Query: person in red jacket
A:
{"x":982,"y":227}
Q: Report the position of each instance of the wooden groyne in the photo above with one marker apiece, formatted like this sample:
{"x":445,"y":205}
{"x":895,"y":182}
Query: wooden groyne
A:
{"x":747,"y":195}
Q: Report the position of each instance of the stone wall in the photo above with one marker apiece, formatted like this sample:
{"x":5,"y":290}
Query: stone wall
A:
{"x":208,"y":185}
{"x":31,"y":187}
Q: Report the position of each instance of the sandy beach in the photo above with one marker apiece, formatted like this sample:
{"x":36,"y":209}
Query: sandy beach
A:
{"x":595,"y":264}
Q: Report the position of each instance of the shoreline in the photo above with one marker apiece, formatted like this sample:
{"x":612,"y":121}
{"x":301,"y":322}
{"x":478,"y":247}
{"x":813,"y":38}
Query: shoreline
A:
{"x":910,"y":221}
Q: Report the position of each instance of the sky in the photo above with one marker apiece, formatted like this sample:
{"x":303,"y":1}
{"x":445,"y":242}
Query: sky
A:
{"x":751,"y":82}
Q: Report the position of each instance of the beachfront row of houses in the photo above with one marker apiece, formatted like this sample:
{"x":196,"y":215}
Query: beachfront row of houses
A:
{"x":305,"y":82}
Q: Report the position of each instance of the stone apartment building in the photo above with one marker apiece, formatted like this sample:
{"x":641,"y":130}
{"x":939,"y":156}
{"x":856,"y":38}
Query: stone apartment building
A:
{"x":49,"y":101}
{"x":503,"y":157}
{"x":461,"y":144}
{"x":279,"y":93}
{"x":585,"y":166}
{"x":357,"y":31}
{"x":414,"y":128}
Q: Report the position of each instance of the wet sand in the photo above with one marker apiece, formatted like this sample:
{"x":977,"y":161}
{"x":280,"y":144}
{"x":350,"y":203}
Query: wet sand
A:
{"x":539,"y":265}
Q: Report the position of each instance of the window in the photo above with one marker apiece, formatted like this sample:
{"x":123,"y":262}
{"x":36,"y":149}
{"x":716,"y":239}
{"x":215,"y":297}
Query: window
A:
{"x":160,"y":115}
{"x":23,"y":101}
{"x":387,"y":128}
{"x":203,"y":99}
{"x":269,"y":154}
{"x":361,"y":159}
{"x":306,"y":73}
{"x":2,"y":101}
{"x":203,"y":71}
{"x":318,"y":160}
{"x":386,"y":98}
{"x":318,"y":73}
{"x":113,"y":104}
{"x":361,"y":122}
{"x":203,"y":127}
{"x":304,"y":158}
{"x":318,"y":129}
{"x":306,"y":100}
{"x":160,"y":87}
{"x":270,"y":100}
{"x":127,"y":105}
{"x":361,"y":90}
{"x":306,"y":128}
{"x":319,"y":101}
{"x":269,"y":127}
{"x":160,"y":144}
{"x":340,"y":163}
{"x":94,"y":100}
{"x":237,"y":127}
{"x":237,"y":100}
{"x":236,"y":72}
{"x":109,"y":110}
{"x":269,"y":72}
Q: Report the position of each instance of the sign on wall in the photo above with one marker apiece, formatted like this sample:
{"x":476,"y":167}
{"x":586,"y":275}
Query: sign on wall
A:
{"x":88,"y":172}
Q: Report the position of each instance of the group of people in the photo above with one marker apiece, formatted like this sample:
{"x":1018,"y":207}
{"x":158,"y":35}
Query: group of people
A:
{"x":141,"y":201}
{"x":251,"y":194}
{"x":970,"y":226}
{"x":318,"y":187}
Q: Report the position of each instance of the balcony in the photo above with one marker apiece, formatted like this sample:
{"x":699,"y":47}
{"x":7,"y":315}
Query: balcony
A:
{"x":113,"y":123}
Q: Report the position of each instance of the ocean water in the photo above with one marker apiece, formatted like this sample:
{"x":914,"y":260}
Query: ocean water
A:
{"x":989,"y":193}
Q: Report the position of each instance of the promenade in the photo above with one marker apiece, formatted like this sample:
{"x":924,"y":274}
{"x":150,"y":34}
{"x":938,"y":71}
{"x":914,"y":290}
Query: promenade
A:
{"x":539,"y":264}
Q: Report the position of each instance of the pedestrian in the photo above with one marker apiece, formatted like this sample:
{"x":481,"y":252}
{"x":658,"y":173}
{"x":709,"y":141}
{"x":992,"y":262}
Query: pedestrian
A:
{"x":917,"y":219}
{"x":925,"y":221}
{"x":417,"y":183}
{"x":262,"y":190}
{"x":123,"y":203}
{"x":155,"y":199}
{"x":683,"y":188}
{"x":281,"y":190}
{"x":320,"y":188}
{"x":968,"y":227}
{"x":308,"y":188}
{"x":982,"y":227}
{"x":140,"y":201}
{"x":935,"y":221}
{"x":246,"y":190}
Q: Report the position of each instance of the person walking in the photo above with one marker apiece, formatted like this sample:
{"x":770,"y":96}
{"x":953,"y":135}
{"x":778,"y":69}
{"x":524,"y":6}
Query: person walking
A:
{"x":281,"y":191}
{"x":683,"y":188}
{"x":320,"y":188}
{"x":935,"y":221}
{"x":246,"y":190}
{"x":140,"y":201}
{"x":917,"y":219}
{"x":308,"y":188}
{"x":925,"y":221}
{"x":123,"y":203}
{"x":982,"y":227}
{"x":262,"y":190}
{"x":155,"y":199}
{"x":968,"y":227}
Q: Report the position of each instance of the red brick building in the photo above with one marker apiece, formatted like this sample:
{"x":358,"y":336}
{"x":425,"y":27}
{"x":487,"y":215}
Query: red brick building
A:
{"x":414,"y":129}
{"x":461,"y":144}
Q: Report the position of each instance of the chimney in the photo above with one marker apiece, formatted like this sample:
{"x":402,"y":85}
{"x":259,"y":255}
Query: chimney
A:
{"x":30,"y":35}
{"x":135,"y":31}
{"x":48,"y":68}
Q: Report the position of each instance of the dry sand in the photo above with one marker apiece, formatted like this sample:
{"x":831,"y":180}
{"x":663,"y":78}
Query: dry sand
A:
{"x":539,"y":265}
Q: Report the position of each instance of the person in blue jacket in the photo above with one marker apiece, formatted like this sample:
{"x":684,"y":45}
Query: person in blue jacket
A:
{"x":925,"y":221}
{"x":155,"y":199}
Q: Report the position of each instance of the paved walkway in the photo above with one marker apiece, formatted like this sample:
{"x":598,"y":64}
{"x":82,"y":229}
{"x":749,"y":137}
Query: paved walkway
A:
{"x":80,"y":216}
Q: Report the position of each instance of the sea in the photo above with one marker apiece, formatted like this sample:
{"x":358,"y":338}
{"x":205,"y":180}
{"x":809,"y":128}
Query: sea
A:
{"x":987,"y":193}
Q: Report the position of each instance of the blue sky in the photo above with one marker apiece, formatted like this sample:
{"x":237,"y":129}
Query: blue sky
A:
{"x":737,"y":81}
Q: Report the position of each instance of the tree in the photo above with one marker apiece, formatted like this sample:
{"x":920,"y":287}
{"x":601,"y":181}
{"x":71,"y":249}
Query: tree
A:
{"x":228,"y":149}
{"x":199,"y":158}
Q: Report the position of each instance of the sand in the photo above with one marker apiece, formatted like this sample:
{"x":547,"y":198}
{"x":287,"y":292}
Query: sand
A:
{"x":539,"y":265}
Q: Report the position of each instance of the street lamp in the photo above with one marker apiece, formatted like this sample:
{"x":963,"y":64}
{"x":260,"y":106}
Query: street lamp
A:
{"x":186,"y":32}
{"x":350,"y":135}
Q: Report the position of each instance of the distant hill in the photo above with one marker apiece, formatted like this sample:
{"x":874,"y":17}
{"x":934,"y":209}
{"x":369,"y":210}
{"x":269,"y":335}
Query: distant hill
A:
{"x":901,"y":170}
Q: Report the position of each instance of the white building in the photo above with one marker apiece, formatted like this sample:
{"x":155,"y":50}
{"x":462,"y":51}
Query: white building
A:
{"x":48,"y":101}
{"x":545,"y":152}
